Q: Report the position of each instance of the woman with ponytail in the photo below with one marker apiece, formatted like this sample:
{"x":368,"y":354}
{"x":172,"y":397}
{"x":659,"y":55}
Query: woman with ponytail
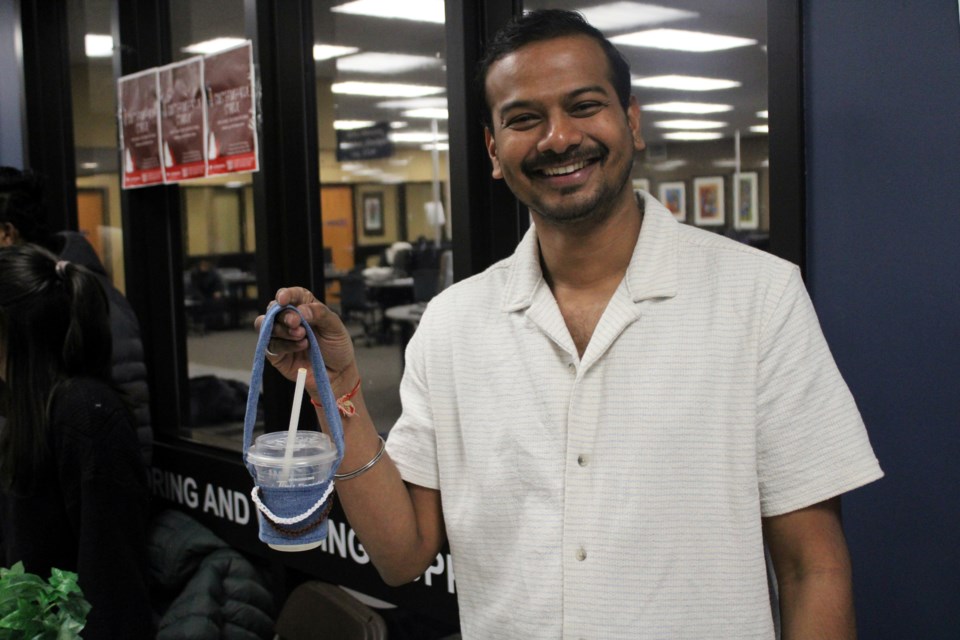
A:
{"x":73,"y":492}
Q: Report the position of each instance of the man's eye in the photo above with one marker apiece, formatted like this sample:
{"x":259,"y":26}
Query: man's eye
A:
{"x":587,"y":108}
{"x":523,"y":121}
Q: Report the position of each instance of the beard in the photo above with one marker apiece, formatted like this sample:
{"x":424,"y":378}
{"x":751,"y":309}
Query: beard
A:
{"x":579,"y":205}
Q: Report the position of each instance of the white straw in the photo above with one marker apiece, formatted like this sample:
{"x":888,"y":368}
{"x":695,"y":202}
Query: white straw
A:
{"x":294,"y":421}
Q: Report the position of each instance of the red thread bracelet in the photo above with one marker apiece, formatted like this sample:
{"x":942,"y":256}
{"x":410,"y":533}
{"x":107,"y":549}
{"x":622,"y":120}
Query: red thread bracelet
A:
{"x":344,"y":403}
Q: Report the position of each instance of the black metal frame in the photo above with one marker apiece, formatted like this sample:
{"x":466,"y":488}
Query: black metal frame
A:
{"x":785,"y":104}
{"x":49,"y":147}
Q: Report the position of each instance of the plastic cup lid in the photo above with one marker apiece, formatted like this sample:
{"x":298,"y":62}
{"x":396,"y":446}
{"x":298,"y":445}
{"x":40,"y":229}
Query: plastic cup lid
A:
{"x":310,"y":448}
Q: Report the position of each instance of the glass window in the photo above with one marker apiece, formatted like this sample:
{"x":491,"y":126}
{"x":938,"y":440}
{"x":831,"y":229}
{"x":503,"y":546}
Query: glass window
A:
{"x":382,"y":121}
{"x":219,"y":244}
{"x":703,"y":104}
{"x":95,"y":133}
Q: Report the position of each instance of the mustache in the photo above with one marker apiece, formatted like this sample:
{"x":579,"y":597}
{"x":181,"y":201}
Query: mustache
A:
{"x":551,"y":159}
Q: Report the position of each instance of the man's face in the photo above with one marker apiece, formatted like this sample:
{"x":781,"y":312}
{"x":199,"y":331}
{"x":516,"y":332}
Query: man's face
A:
{"x":559,"y":136}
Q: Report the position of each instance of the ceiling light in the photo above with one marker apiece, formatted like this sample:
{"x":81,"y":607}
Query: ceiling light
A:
{"x":626,"y":15}
{"x":668,"y":165}
{"x":418,"y":10}
{"x":343,"y":125}
{"x":327,"y":51}
{"x":688,"y":107}
{"x":684,"y":83}
{"x":384,"y":63}
{"x":234,"y":184}
{"x":417,"y":137}
{"x":760,"y":128}
{"x":416,"y":103}
{"x":763,"y":114}
{"x":384,"y":89}
{"x":440,"y":146}
{"x":89,"y":165}
{"x":679,"y":40}
{"x":399,"y":124}
{"x":212,"y":46}
{"x":689,"y":124}
{"x":434,"y":114}
{"x":98,"y":46}
{"x":692,"y":135}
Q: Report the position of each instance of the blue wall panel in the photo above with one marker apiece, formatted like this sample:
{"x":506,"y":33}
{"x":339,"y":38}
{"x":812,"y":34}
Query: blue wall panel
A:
{"x":883,"y":159}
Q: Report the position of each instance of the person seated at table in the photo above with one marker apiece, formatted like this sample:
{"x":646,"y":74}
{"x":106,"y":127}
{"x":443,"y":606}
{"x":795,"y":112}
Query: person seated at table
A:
{"x":208,"y":290}
{"x":73,"y":486}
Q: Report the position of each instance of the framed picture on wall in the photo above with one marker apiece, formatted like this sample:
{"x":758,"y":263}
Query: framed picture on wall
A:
{"x":373,"y":214}
{"x":673,"y":195}
{"x":748,"y":213}
{"x":708,"y":208}
{"x":642,"y":184}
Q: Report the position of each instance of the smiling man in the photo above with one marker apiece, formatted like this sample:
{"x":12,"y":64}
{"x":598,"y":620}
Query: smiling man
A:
{"x":612,"y":424}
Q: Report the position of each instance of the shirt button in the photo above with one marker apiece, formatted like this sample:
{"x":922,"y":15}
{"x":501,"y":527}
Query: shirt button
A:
{"x":582,"y":460}
{"x":572,"y":366}
{"x":581,"y":554}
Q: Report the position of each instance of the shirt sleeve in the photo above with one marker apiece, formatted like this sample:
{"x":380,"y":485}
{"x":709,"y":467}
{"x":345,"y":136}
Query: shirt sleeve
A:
{"x":812,"y":443}
{"x":412,"y":443}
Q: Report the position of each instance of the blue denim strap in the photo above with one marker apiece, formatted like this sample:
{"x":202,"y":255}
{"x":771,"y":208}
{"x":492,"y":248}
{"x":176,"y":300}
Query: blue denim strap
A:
{"x":319,"y":374}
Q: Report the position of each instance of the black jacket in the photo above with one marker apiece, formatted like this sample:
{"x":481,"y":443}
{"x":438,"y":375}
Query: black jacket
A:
{"x":129,"y":369}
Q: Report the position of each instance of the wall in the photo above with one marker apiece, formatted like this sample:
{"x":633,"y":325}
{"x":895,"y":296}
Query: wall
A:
{"x":883,"y":158}
{"x":11,"y":135}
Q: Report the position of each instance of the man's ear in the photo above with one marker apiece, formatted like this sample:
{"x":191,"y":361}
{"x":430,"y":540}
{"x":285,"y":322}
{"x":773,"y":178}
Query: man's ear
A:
{"x":492,"y":152}
{"x":633,"y":119}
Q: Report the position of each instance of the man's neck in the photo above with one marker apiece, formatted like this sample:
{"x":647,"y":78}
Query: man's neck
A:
{"x":580,"y":259}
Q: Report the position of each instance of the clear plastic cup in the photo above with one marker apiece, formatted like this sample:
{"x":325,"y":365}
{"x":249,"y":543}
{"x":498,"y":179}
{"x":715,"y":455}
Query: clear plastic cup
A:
{"x":313,"y":456}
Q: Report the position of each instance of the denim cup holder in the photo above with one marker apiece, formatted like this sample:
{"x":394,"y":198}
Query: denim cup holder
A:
{"x":292,"y":518}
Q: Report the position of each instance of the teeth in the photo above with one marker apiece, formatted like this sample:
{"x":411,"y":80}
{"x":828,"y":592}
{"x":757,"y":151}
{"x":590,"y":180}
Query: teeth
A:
{"x":570,"y":168}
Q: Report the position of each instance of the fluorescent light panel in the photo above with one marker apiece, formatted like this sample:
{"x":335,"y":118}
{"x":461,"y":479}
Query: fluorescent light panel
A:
{"x":679,"y":40}
{"x":416,"y":10}
{"x":688,"y":107}
{"x":385,"y":89}
{"x":344,"y":125}
{"x":426,"y":112}
{"x":371,"y":62}
{"x":692,"y":135}
{"x":684,"y":83}
{"x":98,"y":46}
{"x":212,"y":46}
{"x":415,"y":103}
{"x":328,"y":51}
{"x":763,"y":114}
{"x":440,"y":146}
{"x":627,"y":15}
{"x":689,"y":124}
{"x":760,"y":128}
{"x":417,"y":137}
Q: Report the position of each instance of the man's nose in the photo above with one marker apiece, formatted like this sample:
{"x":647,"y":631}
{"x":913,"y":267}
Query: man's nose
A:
{"x":562,"y":135}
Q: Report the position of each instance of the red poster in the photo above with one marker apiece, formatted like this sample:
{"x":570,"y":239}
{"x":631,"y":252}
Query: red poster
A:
{"x":231,"y":111}
{"x":139,"y":129}
{"x":182,"y":120}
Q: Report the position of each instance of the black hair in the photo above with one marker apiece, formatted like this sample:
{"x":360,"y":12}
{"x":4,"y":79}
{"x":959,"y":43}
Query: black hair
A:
{"x":21,"y":204}
{"x":54,"y":325}
{"x":547,"y":24}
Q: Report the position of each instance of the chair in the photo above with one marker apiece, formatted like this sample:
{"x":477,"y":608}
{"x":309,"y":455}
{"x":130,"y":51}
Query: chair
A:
{"x":317,"y":610}
{"x":355,"y":305}
{"x":425,"y":284}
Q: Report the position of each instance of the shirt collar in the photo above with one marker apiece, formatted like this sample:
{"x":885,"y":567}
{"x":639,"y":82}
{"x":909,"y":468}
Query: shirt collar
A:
{"x":652,"y":272}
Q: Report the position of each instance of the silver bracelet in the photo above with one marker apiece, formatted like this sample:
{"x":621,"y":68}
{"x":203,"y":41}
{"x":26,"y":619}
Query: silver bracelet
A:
{"x":362,"y":470}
